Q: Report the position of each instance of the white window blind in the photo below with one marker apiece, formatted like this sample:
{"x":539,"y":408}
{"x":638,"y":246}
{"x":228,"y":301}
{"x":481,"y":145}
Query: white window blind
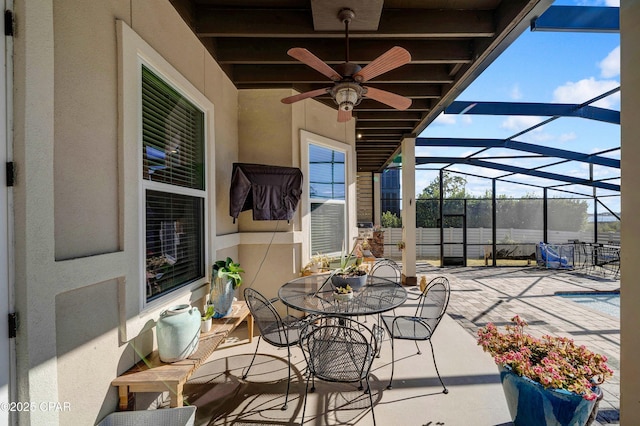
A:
{"x":327,"y":198}
{"x":173,"y":167}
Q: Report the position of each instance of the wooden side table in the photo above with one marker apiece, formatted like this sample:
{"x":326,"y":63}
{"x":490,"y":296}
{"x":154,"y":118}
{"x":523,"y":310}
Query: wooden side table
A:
{"x":153,"y":375}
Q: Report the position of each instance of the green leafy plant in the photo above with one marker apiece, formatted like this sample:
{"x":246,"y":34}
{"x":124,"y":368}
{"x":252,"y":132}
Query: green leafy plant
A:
{"x":350,"y":265}
{"x":208,"y":313}
{"x":554,"y":362}
{"x":344,"y":290}
{"x":227,"y":269}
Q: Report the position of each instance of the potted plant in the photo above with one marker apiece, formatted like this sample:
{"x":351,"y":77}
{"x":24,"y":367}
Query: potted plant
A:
{"x":226,"y":278}
{"x":400,"y":245}
{"x":343,"y":294}
{"x":206,"y":319}
{"x":547,"y":380}
{"x":350,"y":272}
{"x":318,"y":263}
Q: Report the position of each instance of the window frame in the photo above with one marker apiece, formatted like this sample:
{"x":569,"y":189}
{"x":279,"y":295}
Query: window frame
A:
{"x":307,"y":139}
{"x":133,"y":53}
{"x":172,"y":189}
{"x":192,"y":95}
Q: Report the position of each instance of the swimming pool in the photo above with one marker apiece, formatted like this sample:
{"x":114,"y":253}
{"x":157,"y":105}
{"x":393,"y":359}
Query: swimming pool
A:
{"x":605,"y":302}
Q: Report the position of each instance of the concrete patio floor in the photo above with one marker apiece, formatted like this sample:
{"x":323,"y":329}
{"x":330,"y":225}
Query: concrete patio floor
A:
{"x":479,"y":295}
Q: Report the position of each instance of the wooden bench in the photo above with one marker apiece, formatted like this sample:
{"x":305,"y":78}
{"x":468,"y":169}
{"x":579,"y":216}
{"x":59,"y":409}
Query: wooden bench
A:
{"x":153,"y":375}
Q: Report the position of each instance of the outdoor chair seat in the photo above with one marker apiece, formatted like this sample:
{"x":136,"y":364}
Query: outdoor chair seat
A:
{"x":339,"y":350}
{"x":432,"y":304}
{"x":274,"y":329}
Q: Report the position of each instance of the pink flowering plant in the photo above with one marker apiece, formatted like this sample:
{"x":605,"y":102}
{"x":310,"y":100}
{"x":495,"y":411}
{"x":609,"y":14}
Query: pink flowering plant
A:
{"x":554,"y":362}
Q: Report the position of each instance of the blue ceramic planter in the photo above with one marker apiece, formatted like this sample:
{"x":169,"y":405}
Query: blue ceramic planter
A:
{"x":356,"y":282}
{"x":530,"y":404}
{"x":222,"y":297}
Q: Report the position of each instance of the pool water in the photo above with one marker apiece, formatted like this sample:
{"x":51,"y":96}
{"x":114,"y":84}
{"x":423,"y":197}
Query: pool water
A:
{"x":608,"y":303}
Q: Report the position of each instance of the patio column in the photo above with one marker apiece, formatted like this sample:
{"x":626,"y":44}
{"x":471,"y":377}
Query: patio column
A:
{"x":408,"y":211}
{"x":630,"y":196}
{"x":377,"y":204}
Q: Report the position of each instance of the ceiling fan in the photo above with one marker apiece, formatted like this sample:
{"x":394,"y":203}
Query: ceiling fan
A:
{"x":347,"y":91}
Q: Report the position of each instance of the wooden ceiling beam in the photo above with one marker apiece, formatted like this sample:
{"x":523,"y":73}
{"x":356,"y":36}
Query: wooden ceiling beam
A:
{"x":296,"y":23}
{"x":385,"y":116}
{"x":274,"y":50}
{"x":379,"y":132}
{"x":410,"y":90}
{"x":407,"y":125}
{"x":371,"y":105}
{"x":274,"y":74}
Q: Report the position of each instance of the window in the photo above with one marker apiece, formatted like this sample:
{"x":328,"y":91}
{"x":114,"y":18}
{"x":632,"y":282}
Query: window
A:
{"x":327,"y":190}
{"x":173,"y":181}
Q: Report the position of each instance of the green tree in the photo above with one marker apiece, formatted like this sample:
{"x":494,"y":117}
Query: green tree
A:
{"x":390,"y":220}
{"x":428,"y":202}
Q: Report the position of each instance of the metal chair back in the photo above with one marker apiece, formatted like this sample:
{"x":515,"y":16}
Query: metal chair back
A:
{"x":433,"y":302}
{"x":339,"y":350}
{"x":386,"y":268}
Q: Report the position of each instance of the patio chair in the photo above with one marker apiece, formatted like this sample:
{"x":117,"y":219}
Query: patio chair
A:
{"x":340,"y":350}
{"x":386,"y":268}
{"x":275,"y":330}
{"x":432,"y":305}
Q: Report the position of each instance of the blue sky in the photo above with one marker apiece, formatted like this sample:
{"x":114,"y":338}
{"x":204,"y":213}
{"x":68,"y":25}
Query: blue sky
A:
{"x":560,"y":67}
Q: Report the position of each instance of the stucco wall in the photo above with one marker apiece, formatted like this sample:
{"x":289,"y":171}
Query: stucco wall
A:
{"x":269,"y":133}
{"x":76,"y":261}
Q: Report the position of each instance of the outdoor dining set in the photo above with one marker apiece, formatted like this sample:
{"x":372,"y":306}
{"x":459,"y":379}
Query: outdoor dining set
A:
{"x":341,"y":337}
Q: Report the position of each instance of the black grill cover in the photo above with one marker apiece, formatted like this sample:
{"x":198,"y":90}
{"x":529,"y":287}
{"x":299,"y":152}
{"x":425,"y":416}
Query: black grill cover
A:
{"x":273,"y":192}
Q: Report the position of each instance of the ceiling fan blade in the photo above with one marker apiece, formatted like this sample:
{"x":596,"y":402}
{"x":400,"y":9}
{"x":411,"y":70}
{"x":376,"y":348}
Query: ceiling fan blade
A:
{"x":344,"y":116}
{"x":305,"y":95}
{"x":391,"y":59}
{"x":388,"y":98}
{"x":308,"y":58}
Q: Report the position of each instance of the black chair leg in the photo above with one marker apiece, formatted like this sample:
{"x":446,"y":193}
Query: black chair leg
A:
{"x":393,"y":363}
{"x":433,"y":354}
{"x":373,"y":414}
{"x":304,"y":404}
{"x":244,"y":376}
{"x":286,"y":398}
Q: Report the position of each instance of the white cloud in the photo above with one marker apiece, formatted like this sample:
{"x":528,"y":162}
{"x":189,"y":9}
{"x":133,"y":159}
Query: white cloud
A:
{"x":610,"y":66}
{"x":585,"y":89}
{"x":516,"y":93}
{"x":519,"y":122}
{"x":445,"y":119}
{"x":466,"y":120}
{"x":566,"y":137}
{"x":542,"y":137}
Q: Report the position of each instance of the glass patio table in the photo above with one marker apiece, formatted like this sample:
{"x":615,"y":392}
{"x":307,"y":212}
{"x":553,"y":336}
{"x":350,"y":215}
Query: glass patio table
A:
{"x":315,"y":294}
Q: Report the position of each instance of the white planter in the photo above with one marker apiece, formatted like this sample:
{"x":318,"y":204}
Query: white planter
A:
{"x":205,"y":326}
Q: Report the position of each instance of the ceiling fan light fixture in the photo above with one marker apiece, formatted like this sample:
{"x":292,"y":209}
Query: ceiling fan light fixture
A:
{"x":347,"y":95}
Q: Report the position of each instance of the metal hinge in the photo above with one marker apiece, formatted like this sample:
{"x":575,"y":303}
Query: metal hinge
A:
{"x":8,"y":23}
{"x":11,"y":173}
{"x":13,"y":325}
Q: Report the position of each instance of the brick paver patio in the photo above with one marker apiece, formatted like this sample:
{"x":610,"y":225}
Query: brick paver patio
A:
{"x":482,"y":295}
